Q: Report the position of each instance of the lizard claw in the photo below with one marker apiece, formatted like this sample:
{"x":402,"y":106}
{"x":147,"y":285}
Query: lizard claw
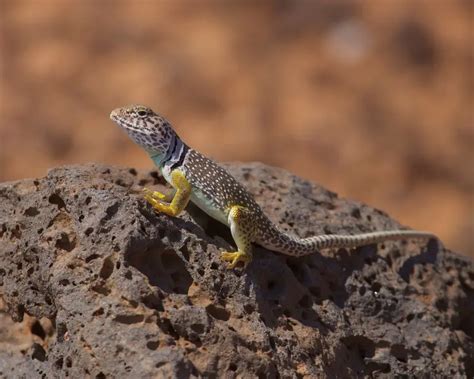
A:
{"x":149,"y":195}
{"x":235,"y":257}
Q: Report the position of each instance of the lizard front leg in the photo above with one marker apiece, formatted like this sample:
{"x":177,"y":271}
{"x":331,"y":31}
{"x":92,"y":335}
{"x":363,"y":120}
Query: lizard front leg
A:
{"x":242,"y":227}
{"x":180,"y":198}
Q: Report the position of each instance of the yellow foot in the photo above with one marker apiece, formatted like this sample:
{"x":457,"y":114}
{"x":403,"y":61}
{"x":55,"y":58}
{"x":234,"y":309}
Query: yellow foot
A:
{"x":153,"y":195}
{"x":154,"y":199}
{"x":148,"y":195}
{"x":235,"y":257}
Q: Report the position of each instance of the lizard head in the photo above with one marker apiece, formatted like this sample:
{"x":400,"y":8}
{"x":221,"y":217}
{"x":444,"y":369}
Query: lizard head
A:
{"x":145,"y":127}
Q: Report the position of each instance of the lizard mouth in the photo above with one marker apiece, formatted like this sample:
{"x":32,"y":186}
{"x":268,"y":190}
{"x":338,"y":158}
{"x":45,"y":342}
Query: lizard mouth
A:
{"x":117,"y":116}
{"x":114,"y":115}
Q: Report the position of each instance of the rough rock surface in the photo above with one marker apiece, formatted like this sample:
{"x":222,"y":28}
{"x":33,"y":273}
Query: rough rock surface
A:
{"x":101,"y":286}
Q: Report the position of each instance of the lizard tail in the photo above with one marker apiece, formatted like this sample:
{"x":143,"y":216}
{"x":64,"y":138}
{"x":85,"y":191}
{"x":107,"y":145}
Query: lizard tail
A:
{"x":292,"y":245}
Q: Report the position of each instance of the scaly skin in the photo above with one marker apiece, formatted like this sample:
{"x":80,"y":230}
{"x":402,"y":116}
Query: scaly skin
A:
{"x":202,"y":181}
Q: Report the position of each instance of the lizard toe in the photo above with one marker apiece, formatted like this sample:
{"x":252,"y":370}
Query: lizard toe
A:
{"x":235,"y":257}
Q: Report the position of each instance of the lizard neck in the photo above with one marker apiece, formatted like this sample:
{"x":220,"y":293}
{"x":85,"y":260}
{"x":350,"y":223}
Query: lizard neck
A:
{"x":174,"y":155}
{"x":157,"y":158}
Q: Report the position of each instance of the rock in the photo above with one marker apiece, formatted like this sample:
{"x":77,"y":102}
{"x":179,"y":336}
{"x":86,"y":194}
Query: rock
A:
{"x":101,"y":286}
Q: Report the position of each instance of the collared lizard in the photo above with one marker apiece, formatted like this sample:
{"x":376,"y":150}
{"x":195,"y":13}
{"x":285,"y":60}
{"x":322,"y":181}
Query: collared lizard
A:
{"x":199,"y":179}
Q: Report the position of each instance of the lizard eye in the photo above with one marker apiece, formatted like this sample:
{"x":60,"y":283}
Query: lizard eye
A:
{"x":142,"y":113}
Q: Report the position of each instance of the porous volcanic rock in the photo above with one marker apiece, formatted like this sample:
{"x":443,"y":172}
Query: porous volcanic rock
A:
{"x":94,"y":283}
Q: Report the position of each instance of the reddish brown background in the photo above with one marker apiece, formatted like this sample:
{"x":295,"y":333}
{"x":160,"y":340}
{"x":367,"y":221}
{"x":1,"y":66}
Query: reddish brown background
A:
{"x":371,"y":99}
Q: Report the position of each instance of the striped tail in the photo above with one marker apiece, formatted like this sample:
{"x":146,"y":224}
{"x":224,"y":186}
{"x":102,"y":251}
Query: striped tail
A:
{"x":275,"y":239}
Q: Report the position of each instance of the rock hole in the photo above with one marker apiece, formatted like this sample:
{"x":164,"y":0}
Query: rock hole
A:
{"x":378,"y":367}
{"x":272,"y":342}
{"x":249,"y":308}
{"x":152,"y":301}
{"x":38,"y":352}
{"x":375,"y":287}
{"x":197,"y":328}
{"x":107,"y":268}
{"x":186,"y":253}
{"x":59,"y":363}
{"x":38,"y":330}
{"x":120,"y":183}
{"x":152,"y":345}
{"x":98,"y":312}
{"x":399,"y":352}
{"x":362,"y":345}
{"x":129,"y":319}
{"x":92,"y":257}
{"x":356,"y":213}
{"x":16,"y":232}
{"x":217,"y":312}
{"x":31,"y":212}
{"x":165,"y":325}
{"x":61,"y":331}
{"x":64,"y":243}
{"x":101,"y":289}
{"x":20,"y":312}
{"x":112,"y":210}
{"x":57,"y":200}
{"x":88,"y":231}
{"x":100,"y":375}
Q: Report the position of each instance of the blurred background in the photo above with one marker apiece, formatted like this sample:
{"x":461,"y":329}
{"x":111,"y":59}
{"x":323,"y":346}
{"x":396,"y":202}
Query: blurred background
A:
{"x":371,"y":99}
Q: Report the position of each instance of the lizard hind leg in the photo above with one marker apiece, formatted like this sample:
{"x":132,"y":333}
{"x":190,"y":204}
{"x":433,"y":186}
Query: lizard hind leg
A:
{"x":242,"y":227}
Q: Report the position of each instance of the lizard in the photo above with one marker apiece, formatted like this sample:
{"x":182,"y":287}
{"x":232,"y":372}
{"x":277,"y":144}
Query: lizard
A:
{"x":199,"y":179}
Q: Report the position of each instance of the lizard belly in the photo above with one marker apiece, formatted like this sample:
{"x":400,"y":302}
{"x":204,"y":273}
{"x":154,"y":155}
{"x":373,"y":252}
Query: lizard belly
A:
{"x":203,"y":202}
